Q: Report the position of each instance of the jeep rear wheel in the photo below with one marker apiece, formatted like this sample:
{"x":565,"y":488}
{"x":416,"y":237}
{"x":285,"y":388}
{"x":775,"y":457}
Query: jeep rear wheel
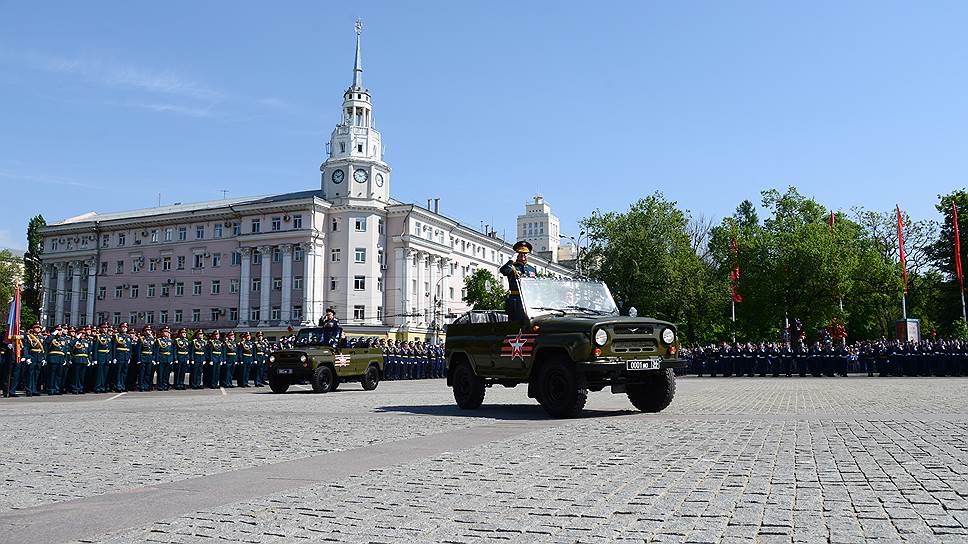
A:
{"x":468,"y":387}
{"x":278,"y":384}
{"x":371,"y":379}
{"x":558,"y":391}
{"x":322,"y":379}
{"x":655,"y":393}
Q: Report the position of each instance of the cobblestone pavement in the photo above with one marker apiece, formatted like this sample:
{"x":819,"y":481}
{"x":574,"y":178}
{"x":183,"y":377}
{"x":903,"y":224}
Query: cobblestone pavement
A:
{"x":732,"y":460}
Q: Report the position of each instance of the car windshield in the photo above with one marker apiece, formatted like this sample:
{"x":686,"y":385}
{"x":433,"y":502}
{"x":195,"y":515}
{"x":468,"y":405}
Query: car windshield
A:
{"x":309,"y":337}
{"x":543,"y":296}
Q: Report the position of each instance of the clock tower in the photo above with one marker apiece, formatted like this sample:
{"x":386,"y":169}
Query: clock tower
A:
{"x":355,"y":169}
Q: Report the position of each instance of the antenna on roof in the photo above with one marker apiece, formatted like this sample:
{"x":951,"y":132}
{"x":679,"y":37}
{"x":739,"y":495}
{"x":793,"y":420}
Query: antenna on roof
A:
{"x":224,"y":192}
{"x":159,"y":200}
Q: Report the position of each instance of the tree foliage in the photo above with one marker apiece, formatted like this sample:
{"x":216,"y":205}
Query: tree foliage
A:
{"x":32,"y":271}
{"x":484,"y":291}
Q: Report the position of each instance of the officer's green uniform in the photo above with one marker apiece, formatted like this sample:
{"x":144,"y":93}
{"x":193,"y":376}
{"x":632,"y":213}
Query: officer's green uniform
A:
{"x":81,"y":352}
{"x":10,"y":369}
{"x":198,"y":362}
{"x":261,"y":352}
{"x":123,"y":346}
{"x":102,"y":360}
{"x":215,"y":355}
{"x":246,"y":357}
{"x":514,"y":270}
{"x":183,"y":357}
{"x":146,"y":362}
{"x":57,"y":357}
{"x":228,"y":365}
{"x":164,"y":355}
{"x":32,"y":359}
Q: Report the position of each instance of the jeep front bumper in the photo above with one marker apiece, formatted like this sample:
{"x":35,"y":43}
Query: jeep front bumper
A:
{"x":615,"y":365}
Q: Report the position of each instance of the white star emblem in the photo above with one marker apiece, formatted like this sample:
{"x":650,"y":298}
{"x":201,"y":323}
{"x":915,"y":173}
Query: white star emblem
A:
{"x":516,"y":344}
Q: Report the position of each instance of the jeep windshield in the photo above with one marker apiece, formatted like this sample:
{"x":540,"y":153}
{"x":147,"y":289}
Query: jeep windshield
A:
{"x":542,"y":296}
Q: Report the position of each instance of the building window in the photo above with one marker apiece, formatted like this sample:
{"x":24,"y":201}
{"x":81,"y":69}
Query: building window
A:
{"x":297,"y":254}
{"x":216,"y":287}
{"x":180,"y":262}
{"x":359,"y":312}
{"x":149,"y":318}
{"x":182,"y":234}
{"x":297,"y":282}
{"x":236,"y":229}
{"x":196,"y":315}
{"x":379,"y":284}
{"x":118,"y":292}
{"x":216,"y":260}
{"x":335,"y":224}
{"x":360,"y":255}
{"x":379,"y":226}
{"x":334,"y":255}
{"x":116,"y":318}
{"x":179,"y":289}
{"x":121,"y":239}
{"x":215,"y":313}
{"x":199,"y":261}
{"x":256,"y":257}
{"x":275,"y":314}
{"x":359,"y":283}
{"x":102,"y":293}
{"x":255,"y":314}
{"x":297,"y":314}
{"x":379,"y":313}
{"x":217,"y":230}
{"x":132,"y":318}
{"x":165,"y":290}
{"x":134,"y":291}
{"x":199,"y":232}
{"x":179,"y":316}
{"x":152,"y":265}
{"x":233,"y":286}
{"x":196,"y":288}
{"x":236,"y":258}
{"x":332,"y":283}
{"x":168,"y":234}
{"x":451,"y":294}
{"x":359,"y":224}
{"x":154,"y":235}
{"x":297,"y":221}
{"x":166,"y":263}
{"x":276,"y":255}
{"x":276,"y":223}
{"x":151,"y":290}
{"x":104,"y":268}
{"x":277,"y":284}
{"x":233,"y":314}
{"x":106,"y":240}
{"x":257,"y":284}
{"x":163,"y":317}
{"x":256,"y":226}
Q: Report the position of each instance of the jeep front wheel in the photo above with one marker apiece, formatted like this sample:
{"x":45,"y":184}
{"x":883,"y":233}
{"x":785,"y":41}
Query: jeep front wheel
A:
{"x":558,"y":391}
{"x":468,"y":387}
{"x":322,"y":379}
{"x":371,"y":379}
{"x":278,"y":384}
{"x":655,"y":393}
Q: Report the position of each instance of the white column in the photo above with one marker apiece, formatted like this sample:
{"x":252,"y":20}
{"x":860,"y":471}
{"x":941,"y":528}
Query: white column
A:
{"x":91,"y":291}
{"x":45,"y":295}
{"x":245,"y":283}
{"x":402,"y":271}
{"x":75,"y":291}
{"x":286,"y":310}
{"x":309,"y":283}
{"x":59,"y":295}
{"x":266,"y":269}
{"x":432,"y":277}
{"x":444,"y":288}
{"x":421,"y":302}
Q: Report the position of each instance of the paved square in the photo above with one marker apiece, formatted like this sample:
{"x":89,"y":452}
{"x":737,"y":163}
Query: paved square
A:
{"x":732,"y":460}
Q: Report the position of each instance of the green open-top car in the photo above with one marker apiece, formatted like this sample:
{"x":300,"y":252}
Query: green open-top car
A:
{"x":324,"y":364}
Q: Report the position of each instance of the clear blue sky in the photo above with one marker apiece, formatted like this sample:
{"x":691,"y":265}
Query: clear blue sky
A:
{"x":103,"y":105}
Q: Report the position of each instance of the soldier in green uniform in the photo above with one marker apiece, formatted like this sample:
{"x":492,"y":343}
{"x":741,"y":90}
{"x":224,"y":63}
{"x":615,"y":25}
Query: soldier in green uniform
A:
{"x":70,"y":337}
{"x":103,"y":358}
{"x":32,"y":359}
{"x":246,"y":358}
{"x":198,"y":359}
{"x":164,"y":356}
{"x":261,"y":353}
{"x":231,"y":358}
{"x":183,"y":357}
{"x":513,"y":270}
{"x":214,"y":356}
{"x":81,"y":351}
{"x":123,"y":344}
{"x":146,"y":359}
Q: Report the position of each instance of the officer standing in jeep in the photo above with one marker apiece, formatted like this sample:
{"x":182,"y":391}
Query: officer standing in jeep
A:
{"x":513,"y":270}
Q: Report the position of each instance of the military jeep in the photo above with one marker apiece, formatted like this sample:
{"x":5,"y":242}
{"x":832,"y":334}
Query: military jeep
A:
{"x":572,"y":341}
{"x":325,"y":366}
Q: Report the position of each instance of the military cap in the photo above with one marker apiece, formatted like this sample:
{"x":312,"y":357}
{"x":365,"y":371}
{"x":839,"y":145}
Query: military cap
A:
{"x":523,"y":247}
{"x":35,"y":326}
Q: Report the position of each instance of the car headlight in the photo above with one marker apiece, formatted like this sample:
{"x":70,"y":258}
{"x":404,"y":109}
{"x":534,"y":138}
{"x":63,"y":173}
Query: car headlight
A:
{"x":601,"y":337}
{"x":668,"y":336}
{"x":302,"y":358}
{"x":272,"y":358}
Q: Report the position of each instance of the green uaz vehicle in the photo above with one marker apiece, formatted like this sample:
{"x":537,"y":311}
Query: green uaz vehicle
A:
{"x":324,"y":366}
{"x":573,"y":341}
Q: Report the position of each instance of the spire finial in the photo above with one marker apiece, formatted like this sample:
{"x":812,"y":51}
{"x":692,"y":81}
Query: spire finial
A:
{"x":358,"y":65}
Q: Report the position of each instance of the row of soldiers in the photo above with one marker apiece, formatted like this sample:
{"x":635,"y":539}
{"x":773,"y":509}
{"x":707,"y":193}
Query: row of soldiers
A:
{"x":402,"y":360}
{"x":884,"y":358}
{"x":81,"y":360}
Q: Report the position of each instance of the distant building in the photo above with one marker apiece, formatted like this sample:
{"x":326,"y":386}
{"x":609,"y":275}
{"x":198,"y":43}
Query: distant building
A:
{"x":541,"y":228}
{"x":279,"y":260}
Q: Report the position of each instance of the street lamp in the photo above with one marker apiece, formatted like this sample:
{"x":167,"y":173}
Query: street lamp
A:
{"x":437,"y":302}
{"x":578,"y":248}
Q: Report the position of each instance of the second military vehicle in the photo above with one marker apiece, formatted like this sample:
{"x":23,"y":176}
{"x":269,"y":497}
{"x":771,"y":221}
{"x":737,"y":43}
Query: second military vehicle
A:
{"x":324,"y":365}
{"x":572,"y":341}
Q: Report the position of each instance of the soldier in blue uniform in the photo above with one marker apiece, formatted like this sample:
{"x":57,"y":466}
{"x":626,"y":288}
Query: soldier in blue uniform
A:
{"x":103,"y":358}
{"x":198,"y":359}
{"x":123,"y":346}
{"x":214,"y":355}
{"x":146,"y":359}
{"x":513,"y":270}
{"x":81,"y":351}
{"x":231,"y":358}
{"x":183,"y":357}
{"x":332,"y":331}
{"x":164,"y":356}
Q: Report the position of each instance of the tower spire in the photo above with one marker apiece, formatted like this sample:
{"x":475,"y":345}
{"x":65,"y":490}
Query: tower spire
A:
{"x":358,"y":64}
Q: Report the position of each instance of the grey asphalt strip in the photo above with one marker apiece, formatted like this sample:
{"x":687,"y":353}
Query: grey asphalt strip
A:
{"x":88,"y":517}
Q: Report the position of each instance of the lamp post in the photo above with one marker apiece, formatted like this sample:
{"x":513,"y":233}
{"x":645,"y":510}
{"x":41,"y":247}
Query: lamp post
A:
{"x":578,"y":248}
{"x":437,"y":303}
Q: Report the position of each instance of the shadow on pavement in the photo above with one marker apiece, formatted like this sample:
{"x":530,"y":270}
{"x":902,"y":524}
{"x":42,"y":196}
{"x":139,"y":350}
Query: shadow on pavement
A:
{"x":506,"y":412}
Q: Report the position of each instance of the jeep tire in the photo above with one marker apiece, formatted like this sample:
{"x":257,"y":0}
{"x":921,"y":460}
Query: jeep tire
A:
{"x":558,"y":391}
{"x":655,"y":393}
{"x":371,"y":378}
{"x":468,"y":387}
{"x":278,"y":384}
{"x":322,"y":380}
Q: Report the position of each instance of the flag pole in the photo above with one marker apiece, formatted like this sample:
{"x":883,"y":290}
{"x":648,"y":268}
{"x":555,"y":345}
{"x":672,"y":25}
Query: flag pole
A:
{"x":734,"y":320}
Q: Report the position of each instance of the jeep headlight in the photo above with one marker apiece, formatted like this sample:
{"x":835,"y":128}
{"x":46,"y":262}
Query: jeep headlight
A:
{"x":668,"y":336}
{"x":272,"y":358}
{"x":601,"y":337}
{"x":302,"y":358}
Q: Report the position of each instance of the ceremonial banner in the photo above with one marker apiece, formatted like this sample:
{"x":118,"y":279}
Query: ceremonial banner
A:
{"x":954,"y":221}
{"x":734,"y":276}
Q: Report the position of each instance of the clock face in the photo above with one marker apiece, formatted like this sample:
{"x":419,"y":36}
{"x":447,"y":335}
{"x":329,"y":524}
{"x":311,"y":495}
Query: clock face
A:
{"x":379,"y":179}
{"x":360,"y":175}
{"x":338,"y":176}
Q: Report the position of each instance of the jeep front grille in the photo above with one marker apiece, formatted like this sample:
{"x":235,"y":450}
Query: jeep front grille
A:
{"x":634,"y":345}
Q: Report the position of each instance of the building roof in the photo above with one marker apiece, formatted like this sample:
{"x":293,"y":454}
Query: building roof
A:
{"x":190,"y":207}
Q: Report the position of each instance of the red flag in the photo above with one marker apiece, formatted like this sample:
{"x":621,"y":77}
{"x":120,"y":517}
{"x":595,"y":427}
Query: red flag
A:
{"x":734,"y":275}
{"x":900,"y":244}
{"x":954,"y":221}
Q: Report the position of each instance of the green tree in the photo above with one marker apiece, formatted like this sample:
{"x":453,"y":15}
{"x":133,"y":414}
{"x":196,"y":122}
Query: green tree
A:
{"x":484,"y":291}
{"x":32,"y":271}
{"x":8,"y":277}
{"x":940,"y":251}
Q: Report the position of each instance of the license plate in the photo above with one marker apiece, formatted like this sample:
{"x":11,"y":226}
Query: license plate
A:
{"x":649,"y":364}
{"x":283,"y":371}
